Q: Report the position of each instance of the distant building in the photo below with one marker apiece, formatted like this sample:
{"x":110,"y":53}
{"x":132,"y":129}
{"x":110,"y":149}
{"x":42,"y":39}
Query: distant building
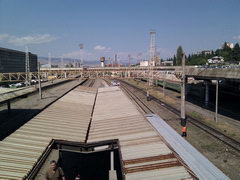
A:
{"x":167,"y":63}
{"x":205,"y":52}
{"x":15,"y":61}
{"x":229,"y":44}
{"x":156,"y":61}
{"x":216,"y":60}
{"x":143,"y":63}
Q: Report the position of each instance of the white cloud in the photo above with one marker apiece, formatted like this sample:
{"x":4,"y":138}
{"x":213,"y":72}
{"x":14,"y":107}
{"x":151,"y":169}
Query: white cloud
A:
{"x":237,"y":37}
{"x":3,"y":36}
{"x":31,"y":39}
{"x":101,"y":48}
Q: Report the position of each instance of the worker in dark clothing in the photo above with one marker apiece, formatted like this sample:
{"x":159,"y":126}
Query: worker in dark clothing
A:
{"x":55,"y":172}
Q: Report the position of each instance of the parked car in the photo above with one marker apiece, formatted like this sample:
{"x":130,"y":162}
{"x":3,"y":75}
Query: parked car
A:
{"x":115,"y":83}
{"x":17,"y":85}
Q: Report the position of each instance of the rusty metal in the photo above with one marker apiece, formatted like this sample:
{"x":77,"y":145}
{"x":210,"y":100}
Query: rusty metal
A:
{"x":152,"y":167}
{"x":149,"y":159}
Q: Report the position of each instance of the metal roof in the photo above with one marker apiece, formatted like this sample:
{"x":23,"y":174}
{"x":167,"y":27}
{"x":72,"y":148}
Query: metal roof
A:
{"x":199,"y":164}
{"x":144,"y":153}
{"x":66,"y":119}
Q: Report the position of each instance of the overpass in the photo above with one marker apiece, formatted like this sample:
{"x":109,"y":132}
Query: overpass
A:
{"x":171,"y":73}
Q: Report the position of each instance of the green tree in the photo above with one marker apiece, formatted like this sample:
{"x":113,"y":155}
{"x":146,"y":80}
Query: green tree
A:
{"x":236,"y":52}
{"x":226,"y":52}
{"x":174,"y":61}
{"x":197,"y":61}
{"x":179,"y":56}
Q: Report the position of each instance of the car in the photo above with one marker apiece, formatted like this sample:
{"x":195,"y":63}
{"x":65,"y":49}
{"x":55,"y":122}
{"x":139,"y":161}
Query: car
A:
{"x":17,"y":85}
{"x":33,"y":81}
{"x":115,"y":83}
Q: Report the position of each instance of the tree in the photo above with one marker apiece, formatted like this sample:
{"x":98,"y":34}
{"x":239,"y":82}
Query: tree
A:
{"x":236,"y":52}
{"x":226,"y":52}
{"x":179,"y":56}
{"x":174,"y":60}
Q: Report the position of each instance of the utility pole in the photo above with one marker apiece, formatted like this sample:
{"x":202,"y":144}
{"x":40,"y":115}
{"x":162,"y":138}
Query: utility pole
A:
{"x":216,"y":104}
{"x":183,"y":110}
{"x":152,"y":53}
{"x":62,"y":62}
{"x":49,"y":60}
{"x":116,"y":60}
{"x":139,"y":58}
{"x":27,"y":68}
{"x":61,"y":66}
{"x":129,"y":60}
{"x":39,"y":82}
{"x":81,"y":46}
{"x":164,"y":84}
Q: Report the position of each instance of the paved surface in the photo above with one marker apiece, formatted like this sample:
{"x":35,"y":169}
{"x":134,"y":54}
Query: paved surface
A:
{"x":9,"y":93}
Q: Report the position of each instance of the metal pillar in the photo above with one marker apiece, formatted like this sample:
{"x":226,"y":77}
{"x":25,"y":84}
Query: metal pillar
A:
{"x":27,"y":67}
{"x":206,"y":93}
{"x":112,"y":172}
{"x":9,"y":107}
{"x":216,"y":105}
{"x":112,"y":160}
{"x":39,"y":82}
{"x":164,"y":86}
{"x":183,"y":84}
{"x":183,"y":91}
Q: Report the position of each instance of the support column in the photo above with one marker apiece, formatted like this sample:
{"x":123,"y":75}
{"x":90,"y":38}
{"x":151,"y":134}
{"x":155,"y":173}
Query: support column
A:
{"x":216,"y":104}
{"x":206,"y":92}
{"x":164,"y":86}
{"x":112,"y":172}
{"x":186,"y":86}
{"x":39,"y":82}
{"x":183,"y":91}
{"x":9,"y":107}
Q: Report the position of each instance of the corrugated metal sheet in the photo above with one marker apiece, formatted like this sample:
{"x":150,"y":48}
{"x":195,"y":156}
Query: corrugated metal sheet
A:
{"x":199,"y":164}
{"x":66,"y":119}
{"x":144,"y":154}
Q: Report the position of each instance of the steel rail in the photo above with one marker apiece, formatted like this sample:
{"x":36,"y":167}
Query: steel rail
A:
{"x":197,"y":123}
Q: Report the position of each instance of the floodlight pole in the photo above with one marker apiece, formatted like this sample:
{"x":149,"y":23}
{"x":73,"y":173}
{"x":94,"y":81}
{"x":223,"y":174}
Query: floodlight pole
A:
{"x":39,"y":81}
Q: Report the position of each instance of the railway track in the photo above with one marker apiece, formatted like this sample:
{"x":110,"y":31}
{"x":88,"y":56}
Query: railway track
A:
{"x":92,"y":83}
{"x":89,"y":82}
{"x":213,"y":132}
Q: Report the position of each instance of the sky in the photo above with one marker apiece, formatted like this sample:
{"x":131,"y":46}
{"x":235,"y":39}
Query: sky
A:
{"x":106,"y":27}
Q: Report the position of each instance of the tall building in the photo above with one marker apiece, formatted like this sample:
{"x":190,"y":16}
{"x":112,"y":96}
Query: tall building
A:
{"x":15,"y":61}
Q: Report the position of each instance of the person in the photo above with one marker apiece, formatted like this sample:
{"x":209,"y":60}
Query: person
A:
{"x":54,"y":172}
{"x":77,"y":177}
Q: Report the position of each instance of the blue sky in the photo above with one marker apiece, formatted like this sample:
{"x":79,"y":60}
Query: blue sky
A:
{"x":106,"y":27}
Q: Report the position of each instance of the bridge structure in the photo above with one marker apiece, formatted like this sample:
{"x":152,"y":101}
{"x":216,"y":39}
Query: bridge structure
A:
{"x":174,"y":73}
{"x":169,"y":73}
